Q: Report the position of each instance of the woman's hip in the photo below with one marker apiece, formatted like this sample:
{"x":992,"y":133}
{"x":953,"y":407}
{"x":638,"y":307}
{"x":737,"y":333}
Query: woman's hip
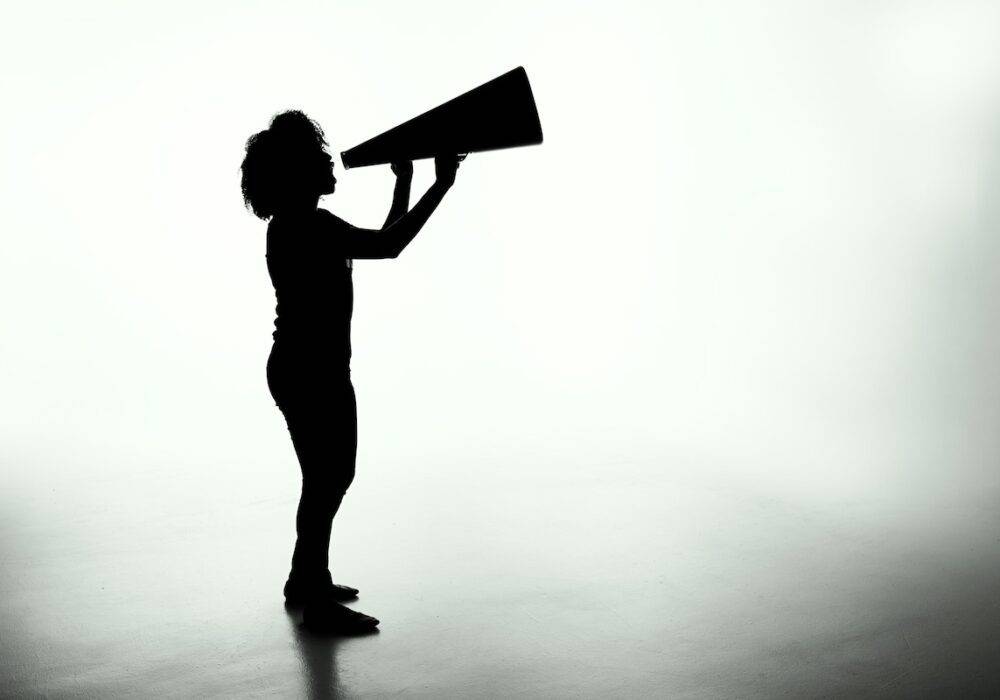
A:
{"x":303,"y":383}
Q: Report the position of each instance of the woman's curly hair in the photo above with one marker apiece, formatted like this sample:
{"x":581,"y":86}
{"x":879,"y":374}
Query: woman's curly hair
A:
{"x":272,"y":167}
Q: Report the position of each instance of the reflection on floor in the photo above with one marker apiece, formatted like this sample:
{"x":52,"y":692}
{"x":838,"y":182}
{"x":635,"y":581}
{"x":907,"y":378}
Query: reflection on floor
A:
{"x":647,"y":579}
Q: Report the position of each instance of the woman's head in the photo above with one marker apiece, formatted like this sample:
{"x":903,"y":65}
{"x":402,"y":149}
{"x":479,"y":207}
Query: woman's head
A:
{"x":286,"y":165}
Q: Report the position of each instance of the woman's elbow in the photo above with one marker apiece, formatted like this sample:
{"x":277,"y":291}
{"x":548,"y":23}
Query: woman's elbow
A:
{"x":396,"y":248}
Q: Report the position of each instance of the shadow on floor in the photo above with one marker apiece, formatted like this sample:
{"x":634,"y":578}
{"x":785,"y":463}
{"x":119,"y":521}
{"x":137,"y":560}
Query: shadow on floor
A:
{"x":318,"y":657}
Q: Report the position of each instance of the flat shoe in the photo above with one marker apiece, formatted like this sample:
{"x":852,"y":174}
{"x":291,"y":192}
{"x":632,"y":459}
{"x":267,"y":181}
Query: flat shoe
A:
{"x":334,"y":618}
{"x":298,"y":593}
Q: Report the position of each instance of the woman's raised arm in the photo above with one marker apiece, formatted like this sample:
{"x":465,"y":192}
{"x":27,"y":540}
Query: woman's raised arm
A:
{"x":389,"y":241}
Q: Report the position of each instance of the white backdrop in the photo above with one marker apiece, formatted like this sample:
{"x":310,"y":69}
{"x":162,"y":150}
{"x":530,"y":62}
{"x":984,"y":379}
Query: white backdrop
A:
{"x":760,"y":238}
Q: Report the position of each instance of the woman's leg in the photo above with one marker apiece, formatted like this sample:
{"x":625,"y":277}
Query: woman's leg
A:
{"x":324,"y":434}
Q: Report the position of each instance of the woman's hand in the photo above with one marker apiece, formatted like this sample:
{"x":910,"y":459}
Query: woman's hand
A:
{"x":445,"y":168}
{"x":403,"y":168}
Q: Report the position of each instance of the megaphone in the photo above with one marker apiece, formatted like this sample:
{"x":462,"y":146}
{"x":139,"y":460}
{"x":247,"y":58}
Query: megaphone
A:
{"x":498,"y":114}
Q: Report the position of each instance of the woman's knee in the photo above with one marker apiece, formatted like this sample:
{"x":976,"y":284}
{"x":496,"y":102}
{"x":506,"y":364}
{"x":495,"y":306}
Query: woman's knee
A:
{"x":343,"y":480}
{"x":328,"y":482}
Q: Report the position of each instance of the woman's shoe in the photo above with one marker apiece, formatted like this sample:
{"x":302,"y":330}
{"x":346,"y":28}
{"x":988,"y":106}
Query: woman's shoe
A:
{"x":299,"y":591}
{"x":328,"y":617}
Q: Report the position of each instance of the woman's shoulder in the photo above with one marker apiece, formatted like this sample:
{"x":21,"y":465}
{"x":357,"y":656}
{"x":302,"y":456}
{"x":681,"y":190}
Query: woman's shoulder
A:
{"x":304,"y":232}
{"x":318,"y":219}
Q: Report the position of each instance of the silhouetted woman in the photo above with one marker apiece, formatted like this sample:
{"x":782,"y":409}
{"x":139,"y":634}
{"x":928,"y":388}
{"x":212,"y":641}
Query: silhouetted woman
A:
{"x":309,"y":252}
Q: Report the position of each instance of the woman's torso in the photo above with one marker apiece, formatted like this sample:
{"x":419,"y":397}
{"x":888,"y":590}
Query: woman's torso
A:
{"x":314,"y":293}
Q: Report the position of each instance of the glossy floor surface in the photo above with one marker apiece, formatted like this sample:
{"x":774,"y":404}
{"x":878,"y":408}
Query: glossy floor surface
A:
{"x":649,"y":578}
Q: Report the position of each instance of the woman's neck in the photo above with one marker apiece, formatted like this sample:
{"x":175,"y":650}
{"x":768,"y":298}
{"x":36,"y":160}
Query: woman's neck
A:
{"x":298,"y":209}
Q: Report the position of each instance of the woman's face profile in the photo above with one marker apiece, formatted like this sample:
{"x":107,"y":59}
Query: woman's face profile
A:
{"x":328,"y":180}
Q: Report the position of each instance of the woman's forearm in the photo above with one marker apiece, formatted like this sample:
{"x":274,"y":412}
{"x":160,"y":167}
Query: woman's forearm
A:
{"x":406,"y":227}
{"x":400,"y":200}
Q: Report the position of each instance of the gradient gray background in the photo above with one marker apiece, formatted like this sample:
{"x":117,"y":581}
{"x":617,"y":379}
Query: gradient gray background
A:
{"x":734,"y":323}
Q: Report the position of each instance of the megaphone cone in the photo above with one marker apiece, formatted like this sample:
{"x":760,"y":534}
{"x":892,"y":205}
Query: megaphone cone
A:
{"x":498,"y":114}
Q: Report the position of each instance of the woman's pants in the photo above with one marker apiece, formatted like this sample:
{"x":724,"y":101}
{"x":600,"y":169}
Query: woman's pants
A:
{"x":320,"y":409}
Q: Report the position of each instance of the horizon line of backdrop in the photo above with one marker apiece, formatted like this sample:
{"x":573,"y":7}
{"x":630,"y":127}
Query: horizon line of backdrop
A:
{"x":760,"y":239}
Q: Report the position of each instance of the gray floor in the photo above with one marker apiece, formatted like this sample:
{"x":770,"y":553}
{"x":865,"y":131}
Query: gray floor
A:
{"x":654,"y":578}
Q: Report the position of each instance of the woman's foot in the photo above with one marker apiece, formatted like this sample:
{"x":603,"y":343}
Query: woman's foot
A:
{"x":328,"y":617}
{"x":300,"y":590}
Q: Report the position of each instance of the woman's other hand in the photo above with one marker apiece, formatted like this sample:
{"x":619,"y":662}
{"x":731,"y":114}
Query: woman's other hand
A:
{"x":403,"y":168}
{"x":445,"y":168}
